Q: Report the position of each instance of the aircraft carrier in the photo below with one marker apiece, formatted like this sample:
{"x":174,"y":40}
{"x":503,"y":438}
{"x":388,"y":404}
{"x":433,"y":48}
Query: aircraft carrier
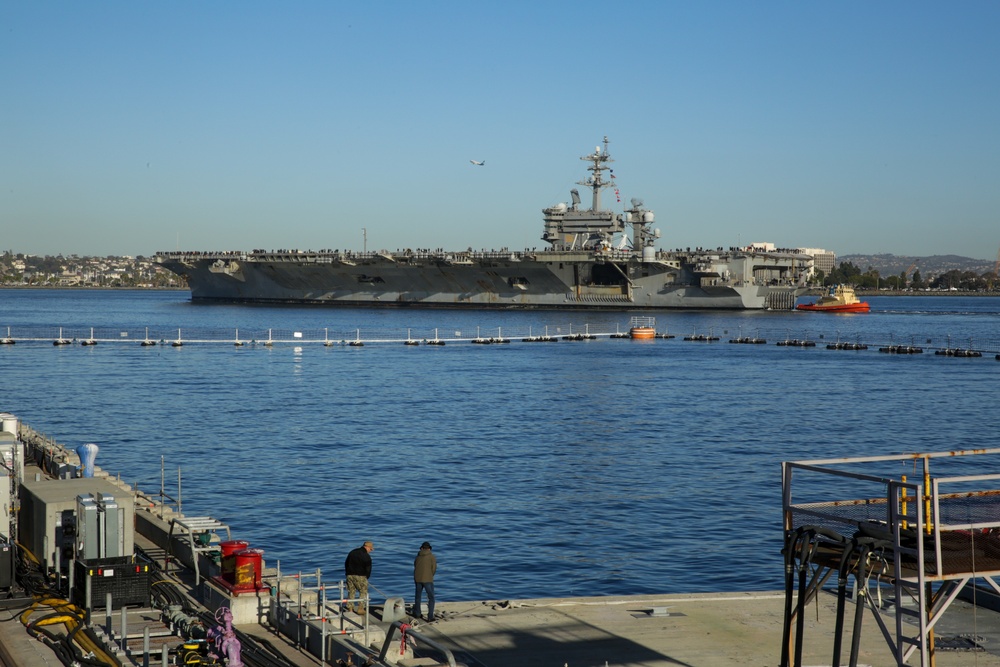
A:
{"x":595,"y":259}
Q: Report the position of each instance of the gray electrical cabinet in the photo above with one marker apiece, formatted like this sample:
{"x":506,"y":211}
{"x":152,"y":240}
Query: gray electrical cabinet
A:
{"x":85,"y":517}
{"x":111,"y":522}
{"x":88,"y":531}
{"x":100,"y":526}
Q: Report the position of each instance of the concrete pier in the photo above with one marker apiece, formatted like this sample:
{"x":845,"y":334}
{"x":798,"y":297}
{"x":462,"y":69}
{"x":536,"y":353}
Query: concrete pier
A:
{"x":700,"y":630}
{"x":638,"y":631}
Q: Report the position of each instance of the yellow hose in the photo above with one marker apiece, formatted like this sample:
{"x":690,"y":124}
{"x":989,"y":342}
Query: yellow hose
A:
{"x":71,"y":623}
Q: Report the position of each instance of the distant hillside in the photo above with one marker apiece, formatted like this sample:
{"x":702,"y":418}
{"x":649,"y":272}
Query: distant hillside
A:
{"x":893,"y":265}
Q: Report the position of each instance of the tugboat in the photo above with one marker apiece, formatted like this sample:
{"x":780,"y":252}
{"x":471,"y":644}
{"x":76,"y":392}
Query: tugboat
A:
{"x":840,"y":299}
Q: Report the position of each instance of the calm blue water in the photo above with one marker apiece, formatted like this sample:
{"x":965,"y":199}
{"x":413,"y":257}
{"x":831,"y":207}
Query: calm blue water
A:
{"x":576,"y":468}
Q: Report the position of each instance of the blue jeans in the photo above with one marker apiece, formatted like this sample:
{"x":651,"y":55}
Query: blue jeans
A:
{"x":422,"y":586}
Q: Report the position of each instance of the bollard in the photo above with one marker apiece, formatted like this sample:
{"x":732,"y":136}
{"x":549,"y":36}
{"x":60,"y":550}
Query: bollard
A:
{"x":145,"y":646}
{"x":107,"y":616}
{"x":394,"y":610}
{"x":164,"y":654}
{"x":124,"y":642}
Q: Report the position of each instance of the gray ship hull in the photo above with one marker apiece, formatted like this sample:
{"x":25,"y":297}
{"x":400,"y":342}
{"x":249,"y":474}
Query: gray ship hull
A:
{"x":549,"y":279}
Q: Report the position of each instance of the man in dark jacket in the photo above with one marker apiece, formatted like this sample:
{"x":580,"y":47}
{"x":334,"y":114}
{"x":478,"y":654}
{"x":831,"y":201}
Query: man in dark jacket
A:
{"x":358,"y":568}
{"x":424,"y":567}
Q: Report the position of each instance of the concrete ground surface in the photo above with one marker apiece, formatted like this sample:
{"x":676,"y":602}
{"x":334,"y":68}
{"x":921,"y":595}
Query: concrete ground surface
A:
{"x":692,"y":630}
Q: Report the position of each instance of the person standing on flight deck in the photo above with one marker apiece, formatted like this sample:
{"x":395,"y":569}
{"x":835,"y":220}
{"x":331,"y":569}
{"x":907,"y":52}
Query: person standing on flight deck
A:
{"x":358,"y":568}
{"x":424,"y":567}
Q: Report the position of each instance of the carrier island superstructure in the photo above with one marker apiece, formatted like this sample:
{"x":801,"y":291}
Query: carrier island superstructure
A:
{"x":591,"y":262}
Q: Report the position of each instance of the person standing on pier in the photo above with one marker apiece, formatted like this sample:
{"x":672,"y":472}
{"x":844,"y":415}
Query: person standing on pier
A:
{"x":358,"y":568}
{"x":424,"y":567}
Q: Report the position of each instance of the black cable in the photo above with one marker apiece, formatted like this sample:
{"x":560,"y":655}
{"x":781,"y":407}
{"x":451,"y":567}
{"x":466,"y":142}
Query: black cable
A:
{"x":806,"y":549}
{"x":64,"y":647}
{"x":791,"y":539}
{"x":262,"y":651}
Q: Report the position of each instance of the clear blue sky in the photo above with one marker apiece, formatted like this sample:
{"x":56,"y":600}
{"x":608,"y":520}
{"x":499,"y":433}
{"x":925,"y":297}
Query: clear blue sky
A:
{"x":131,"y":127}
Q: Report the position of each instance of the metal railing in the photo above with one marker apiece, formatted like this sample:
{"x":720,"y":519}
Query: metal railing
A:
{"x":296,"y":614}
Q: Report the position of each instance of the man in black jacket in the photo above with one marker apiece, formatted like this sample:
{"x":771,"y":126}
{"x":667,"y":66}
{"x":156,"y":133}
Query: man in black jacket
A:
{"x":358,"y":568}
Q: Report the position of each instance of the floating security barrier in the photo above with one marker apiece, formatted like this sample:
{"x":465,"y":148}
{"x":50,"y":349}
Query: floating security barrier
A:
{"x":795,"y":342}
{"x":576,"y":334}
{"x":846,"y":346}
{"x":901,"y":349}
{"x":958,"y":352}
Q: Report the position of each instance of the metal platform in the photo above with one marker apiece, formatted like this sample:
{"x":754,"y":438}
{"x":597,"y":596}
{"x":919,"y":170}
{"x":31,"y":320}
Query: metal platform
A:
{"x":911,"y":541}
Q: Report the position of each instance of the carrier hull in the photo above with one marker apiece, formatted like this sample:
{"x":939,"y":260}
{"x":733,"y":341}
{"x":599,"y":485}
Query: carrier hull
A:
{"x":550,"y":280}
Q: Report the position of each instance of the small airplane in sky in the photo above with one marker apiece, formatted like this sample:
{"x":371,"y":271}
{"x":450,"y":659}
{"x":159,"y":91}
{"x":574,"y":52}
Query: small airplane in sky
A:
{"x":478,"y":163}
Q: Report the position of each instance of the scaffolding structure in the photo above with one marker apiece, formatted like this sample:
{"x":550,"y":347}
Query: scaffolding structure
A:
{"x":910,"y":545}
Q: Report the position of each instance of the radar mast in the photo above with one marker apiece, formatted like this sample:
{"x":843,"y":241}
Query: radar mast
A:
{"x":598,"y":159}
